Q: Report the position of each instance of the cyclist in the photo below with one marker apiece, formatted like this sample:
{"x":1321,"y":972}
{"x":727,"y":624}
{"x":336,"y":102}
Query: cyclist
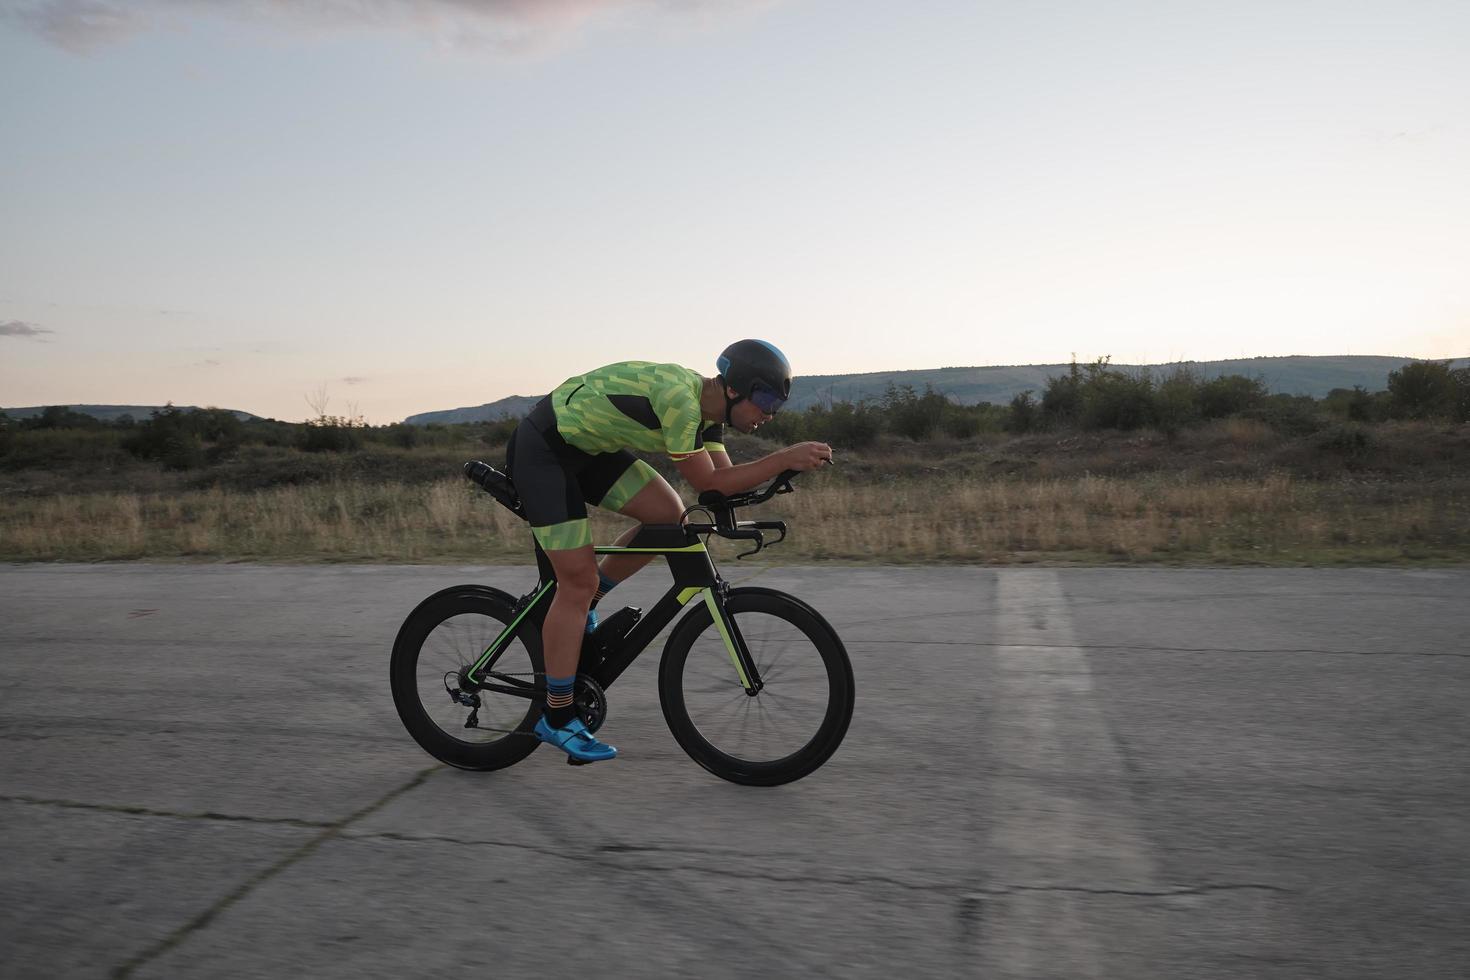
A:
{"x":574,"y":449}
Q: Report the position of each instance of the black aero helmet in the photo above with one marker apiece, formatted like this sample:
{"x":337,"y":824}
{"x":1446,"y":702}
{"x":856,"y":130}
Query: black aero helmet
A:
{"x":758,"y":371}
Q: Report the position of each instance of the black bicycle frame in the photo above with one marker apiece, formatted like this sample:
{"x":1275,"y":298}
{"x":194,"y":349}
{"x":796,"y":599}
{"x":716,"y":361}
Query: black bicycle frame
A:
{"x":694,"y":576}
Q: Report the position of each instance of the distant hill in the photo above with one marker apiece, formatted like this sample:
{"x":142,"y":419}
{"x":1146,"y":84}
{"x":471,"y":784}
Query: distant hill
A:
{"x":1295,"y":375}
{"x":514,"y":407}
{"x":111,"y":413}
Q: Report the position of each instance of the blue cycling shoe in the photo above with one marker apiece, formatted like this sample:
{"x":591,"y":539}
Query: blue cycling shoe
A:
{"x":592,"y":621}
{"x":576,"y":741}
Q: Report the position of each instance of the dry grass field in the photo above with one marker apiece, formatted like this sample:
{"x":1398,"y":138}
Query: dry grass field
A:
{"x":1234,"y":492}
{"x":876,"y":509}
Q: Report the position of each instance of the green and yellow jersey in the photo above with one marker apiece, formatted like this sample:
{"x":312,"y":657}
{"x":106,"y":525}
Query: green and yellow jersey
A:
{"x":636,"y":405}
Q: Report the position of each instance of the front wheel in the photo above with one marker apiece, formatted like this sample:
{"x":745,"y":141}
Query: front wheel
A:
{"x":796,"y":720}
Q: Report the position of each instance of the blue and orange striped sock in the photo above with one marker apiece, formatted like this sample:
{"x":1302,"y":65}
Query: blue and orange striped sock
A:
{"x":560,"y":709}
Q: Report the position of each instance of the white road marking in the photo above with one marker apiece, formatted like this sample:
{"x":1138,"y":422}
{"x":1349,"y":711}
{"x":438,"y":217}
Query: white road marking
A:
{"x":1063,"y":823}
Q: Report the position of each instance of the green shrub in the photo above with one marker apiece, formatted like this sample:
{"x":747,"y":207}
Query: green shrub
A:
{"x":1024,"y":413}
{"x":1356,"y":404}
{"x":1176,"y":400}
{"x":61,"y":417}
{"x":1061,"y":402}
{"x":1292,"y":415}
{"x":1114,"y":400}
{"x":844,"y":425}
{"x":788,"y":427}
{"x":912,"y":415}
{"x":1422,"y":390}
{"x":1351,"y":440}
{"x":1230,"y":394}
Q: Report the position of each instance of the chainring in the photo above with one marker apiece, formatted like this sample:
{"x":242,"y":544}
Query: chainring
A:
{"x":591,"y":702}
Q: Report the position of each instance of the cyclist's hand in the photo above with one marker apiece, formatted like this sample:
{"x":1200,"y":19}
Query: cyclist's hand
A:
{"x":808,"y":455}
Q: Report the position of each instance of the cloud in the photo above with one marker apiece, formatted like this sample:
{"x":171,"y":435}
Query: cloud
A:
{"x":507,"y":27}
{"x":18,"y":328}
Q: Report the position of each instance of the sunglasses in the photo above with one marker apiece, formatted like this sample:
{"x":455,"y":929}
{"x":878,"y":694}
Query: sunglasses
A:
{"x":766,"y":399}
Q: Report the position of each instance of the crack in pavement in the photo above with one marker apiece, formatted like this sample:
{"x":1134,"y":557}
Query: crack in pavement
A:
{"x":143,"y":811}
{"x":203,"y":919}
{"x":591,"y":856}
{"x":130,"y":728}
{"x":1137,"y":893}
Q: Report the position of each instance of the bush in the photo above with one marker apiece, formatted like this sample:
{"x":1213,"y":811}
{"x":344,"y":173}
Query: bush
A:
{"x":61,"y":417}
{"x":910,"y":414}
{"x":787,"y":427}
{"x":1293,"y":415}
{"x":1176,"y":400}
{"x":1024,"y":413}
{"x":1230,"y":394}
{"x":171,"y":436}
{"x":1061,"y":402}
{"x":1351,"y":440}
{"x":845,"y":425}
{"x":1114,"y":400}
{"x":1356,"y":404}
{"x":1422,"y":390}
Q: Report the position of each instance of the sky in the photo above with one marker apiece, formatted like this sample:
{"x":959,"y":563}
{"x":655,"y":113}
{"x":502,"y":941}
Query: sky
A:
{"x":385,"y":207}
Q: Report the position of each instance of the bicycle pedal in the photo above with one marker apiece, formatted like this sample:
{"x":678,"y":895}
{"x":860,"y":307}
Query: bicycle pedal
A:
{"x":578,"y":762}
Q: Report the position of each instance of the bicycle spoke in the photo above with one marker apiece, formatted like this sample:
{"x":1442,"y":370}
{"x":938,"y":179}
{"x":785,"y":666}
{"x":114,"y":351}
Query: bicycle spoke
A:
{"x":788,"y":710}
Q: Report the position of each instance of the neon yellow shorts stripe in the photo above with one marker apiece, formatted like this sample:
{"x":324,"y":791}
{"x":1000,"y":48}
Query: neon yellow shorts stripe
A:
{"x":568,"y":534}
{"x":634,"y":478}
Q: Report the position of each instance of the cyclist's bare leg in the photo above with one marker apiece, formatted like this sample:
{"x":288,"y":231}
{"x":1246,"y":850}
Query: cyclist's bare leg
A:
{"x":656,"y":503}
{"x":566,"y":620}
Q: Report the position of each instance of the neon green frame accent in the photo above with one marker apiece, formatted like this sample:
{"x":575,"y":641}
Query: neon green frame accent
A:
{"x":688,"y":594}
{"x":495,"y":644}
{"x":611,"y":549}
{"x":714,"y":611}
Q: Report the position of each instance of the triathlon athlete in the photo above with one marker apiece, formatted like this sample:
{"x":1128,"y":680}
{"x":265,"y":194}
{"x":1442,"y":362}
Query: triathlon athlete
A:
{"x":574,"y":449}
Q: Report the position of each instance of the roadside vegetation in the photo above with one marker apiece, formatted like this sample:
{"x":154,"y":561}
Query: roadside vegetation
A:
{"x":1099,"y":466}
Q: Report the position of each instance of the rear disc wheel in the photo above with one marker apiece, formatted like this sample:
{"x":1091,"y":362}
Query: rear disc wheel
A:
{"x":439,"y":641}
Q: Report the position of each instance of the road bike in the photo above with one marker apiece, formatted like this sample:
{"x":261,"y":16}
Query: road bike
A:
{"x":755,"y":685}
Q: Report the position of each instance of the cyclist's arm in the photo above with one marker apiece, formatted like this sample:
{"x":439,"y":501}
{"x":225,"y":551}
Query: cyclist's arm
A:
{"x":702,"y":474}
{"x":719,"y":458}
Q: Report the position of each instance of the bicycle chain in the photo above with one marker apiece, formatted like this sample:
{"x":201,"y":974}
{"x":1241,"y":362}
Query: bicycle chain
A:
{"x":514,"y":731}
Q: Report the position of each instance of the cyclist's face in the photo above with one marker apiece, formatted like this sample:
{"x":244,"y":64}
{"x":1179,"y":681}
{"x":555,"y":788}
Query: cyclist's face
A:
{"x":745,"y":416}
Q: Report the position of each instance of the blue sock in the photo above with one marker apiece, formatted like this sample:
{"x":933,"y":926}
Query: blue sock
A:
{"x":559,"y":707}
{"x":604,"y":586}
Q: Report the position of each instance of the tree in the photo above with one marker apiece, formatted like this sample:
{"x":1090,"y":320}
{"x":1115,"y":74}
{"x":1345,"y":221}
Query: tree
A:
{"x":1025,"y":413}
{"x":911,"y":414}
{"x":1462,"y":393}
{"x":1230,"y":394}
{"x":1422,"y":390}
{"x":1061,"y":402}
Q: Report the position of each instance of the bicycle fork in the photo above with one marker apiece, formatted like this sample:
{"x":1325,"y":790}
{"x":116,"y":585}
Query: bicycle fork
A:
{"x":734,"y":641}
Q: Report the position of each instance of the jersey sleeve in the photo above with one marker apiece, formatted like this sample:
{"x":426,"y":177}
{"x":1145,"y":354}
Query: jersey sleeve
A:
{"x":678,"y":413}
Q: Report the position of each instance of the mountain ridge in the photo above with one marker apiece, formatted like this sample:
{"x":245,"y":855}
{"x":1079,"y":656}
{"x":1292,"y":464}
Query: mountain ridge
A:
{"x":1292,"y":374}
{"x":111,"y":413}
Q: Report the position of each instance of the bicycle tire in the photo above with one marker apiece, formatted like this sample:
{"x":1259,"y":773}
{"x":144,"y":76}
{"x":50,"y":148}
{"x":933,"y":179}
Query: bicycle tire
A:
{"x":749,"y":607}
{"x":490,"y":610}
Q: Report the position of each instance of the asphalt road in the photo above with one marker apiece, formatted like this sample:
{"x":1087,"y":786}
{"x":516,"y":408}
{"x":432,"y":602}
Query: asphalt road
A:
{"x":1124,"y":773}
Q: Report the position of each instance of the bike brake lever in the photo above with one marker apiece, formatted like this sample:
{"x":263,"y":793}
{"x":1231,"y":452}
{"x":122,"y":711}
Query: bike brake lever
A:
{"x":748,"y":534}
{"x":759,"y":544}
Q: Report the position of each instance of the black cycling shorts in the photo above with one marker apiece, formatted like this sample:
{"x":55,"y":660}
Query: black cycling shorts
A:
{"x":556,"y":482}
